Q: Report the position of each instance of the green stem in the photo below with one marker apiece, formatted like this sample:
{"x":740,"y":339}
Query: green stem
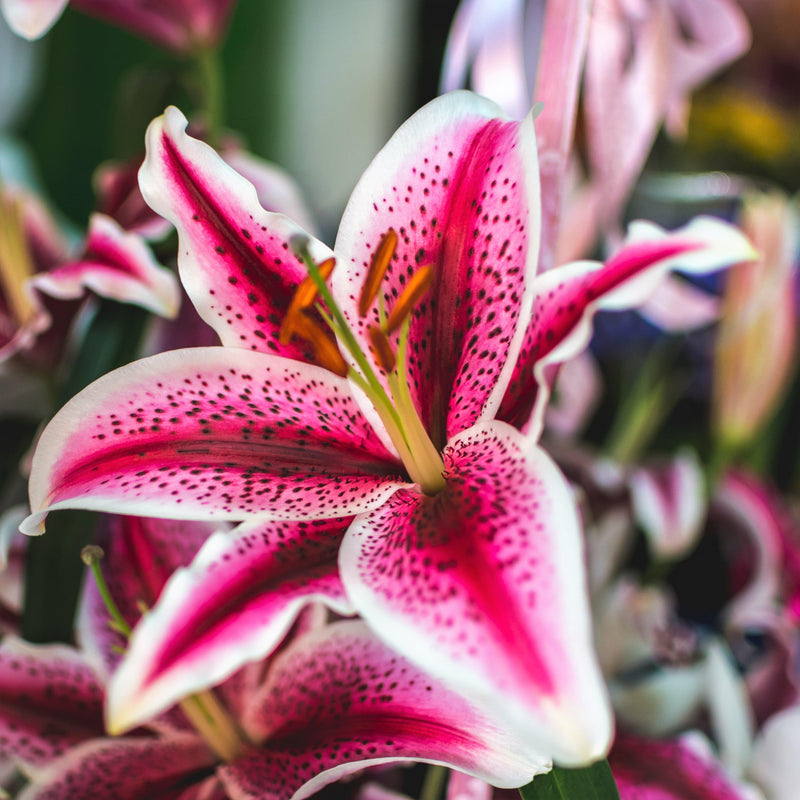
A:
{"x":209,"y":76}
{"x":433,"y":783}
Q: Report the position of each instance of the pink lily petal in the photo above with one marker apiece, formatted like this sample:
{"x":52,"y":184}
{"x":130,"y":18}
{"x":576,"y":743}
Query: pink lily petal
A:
{"x":578,"y":392}
{"x":679,"y":306}
{"x":116,"y":185}
{"x":114,"y":264}
{"x":49,"y":700}
{"x":181,"y":25}
{"x":642,"y":63}
{"x":567,"y":298}
{"x":465,"y":787}
{"x":459,"y":185}
{"x":276,"y":190}
{"x":340,"y":700}
{"x":760,"y":519}
{"x":127,"y":769}
{"x":669,"y":503}
{"x":212,"y":433}
{"x":231,"y":606}
{"x":235,"y":259}
{"x":32,"y":18}
{"x":484,"y":586}
{"x":563,"y":46}
{"x":485,"y":45}
{"x":140,"y":556}
{"x":652,"y":769}
{"x":774,"y":766}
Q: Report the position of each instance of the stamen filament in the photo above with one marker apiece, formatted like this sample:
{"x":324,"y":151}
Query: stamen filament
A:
{"x":212,"y":722}
{"x":92,"y":555}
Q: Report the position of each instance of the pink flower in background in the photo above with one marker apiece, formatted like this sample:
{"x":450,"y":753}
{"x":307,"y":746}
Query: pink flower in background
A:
{"x":643,"y":59}
{"x":181,"y":25}
{"x":35,"y":265}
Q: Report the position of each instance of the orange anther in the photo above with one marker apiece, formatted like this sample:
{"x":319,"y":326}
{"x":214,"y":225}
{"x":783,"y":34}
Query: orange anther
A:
{"x":304,"y":296}
{"x":415,"y":288}
{"x":383,"y":350}
{"x":325,"y":350}
{"x":377,"y":269}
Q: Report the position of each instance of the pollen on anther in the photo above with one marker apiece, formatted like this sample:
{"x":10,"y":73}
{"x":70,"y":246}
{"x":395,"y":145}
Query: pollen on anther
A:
{"x":377,"y":269}
{"x":304,"y":296}
{"x":415,"y":288}
{"x":384,"y":354}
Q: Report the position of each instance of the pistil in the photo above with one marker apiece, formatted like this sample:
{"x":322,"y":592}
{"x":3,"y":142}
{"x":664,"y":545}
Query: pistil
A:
{"x":398,"y":414}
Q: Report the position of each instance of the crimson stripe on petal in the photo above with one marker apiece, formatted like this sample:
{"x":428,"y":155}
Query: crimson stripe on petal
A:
{"x":231,"y":606}
{"x":339,"y":700}
{"x":459,"y":185}
{"x":212,"y":433}
{"x":484,"y":586}
{"x":235,"y":259}
{"x":566,"y":299}
{"x":50,"y":700}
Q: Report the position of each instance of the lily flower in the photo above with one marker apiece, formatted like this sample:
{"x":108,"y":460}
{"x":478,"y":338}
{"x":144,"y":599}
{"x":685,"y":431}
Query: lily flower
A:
{"x":465,"y":548}
{"x":332,"y":702}
{"x":184,"y":26}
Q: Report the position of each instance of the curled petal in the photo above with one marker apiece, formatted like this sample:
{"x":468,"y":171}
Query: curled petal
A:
{"x":114,"y":264}
{"x":669,"y":503}
{"x":340,"y":700}
{"x":459,"y":185}
{"x":235,"y":259}
{"x":231,"y":606}
{"x":566,"y":299}
{"x":483,"y":585}
{"x":212,"y":433}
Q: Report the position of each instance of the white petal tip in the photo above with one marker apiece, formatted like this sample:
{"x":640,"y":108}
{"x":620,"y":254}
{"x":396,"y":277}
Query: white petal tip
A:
{"x":33,"y":525}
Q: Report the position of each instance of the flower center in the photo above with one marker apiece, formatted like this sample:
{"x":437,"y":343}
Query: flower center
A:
{"x":16,"y":264}
{"x":394,"y":406}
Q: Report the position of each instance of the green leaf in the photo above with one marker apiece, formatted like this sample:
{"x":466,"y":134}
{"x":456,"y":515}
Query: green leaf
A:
{"x":590,"y":783}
